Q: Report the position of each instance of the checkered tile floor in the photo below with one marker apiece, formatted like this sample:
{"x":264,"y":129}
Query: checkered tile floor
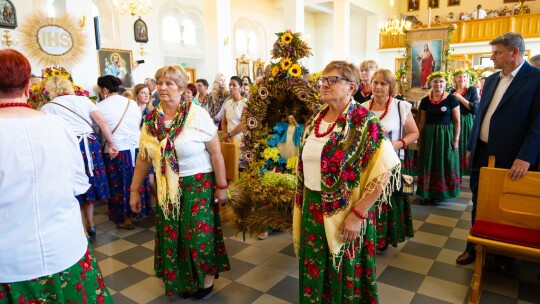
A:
{"x":420,"y":270}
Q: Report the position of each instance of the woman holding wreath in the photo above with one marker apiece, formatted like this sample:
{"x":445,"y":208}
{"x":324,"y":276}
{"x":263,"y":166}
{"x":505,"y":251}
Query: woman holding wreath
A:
{"x":439,"y":125}
{"x":179,"y":138}
{"x":469,"y":101}
{"x":343,"y":168}
{"x":394,"y":221}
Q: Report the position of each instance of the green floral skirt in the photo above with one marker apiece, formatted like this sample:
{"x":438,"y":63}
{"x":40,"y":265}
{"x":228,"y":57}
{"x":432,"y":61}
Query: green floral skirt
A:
{"x":394,"y":222}
{"x":438,"y":176}
{"x":80,"y":283}
{"x":190,"y":247}
{"x":320,"y":282}
{"x":467,"y":121}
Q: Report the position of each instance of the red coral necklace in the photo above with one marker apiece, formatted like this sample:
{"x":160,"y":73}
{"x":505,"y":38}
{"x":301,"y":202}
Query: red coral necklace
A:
{"x":318,"y":122}
{"x":387,"y":106}
{"x":365,"y":92}
{"x":14,"y":104}
{"x":435,"y":102}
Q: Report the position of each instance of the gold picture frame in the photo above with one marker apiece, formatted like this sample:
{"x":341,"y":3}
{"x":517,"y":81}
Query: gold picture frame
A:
{"x":242,"y":66}
{"x":400,"y":64}
{"x":435,"y":40}
{"x":192,"y":73}
{"x":258,"y":68}
{"x":116,"y":62}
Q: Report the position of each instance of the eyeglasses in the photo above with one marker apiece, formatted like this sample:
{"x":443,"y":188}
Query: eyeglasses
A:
{"x":331,"y":80}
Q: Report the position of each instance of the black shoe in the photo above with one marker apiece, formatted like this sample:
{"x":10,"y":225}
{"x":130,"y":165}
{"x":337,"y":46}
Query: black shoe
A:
{"x":201,"y":293}
{"x":92,"y":231}
{"x":383,"y":249}
{"x":187,"y":295}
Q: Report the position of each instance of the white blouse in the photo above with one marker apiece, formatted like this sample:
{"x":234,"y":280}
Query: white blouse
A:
{"x":79,"y":104}
{"x":190,"y":145}
{"x":40,"y":222}
{"x":390,"y":122}
{"x":126,"y":136}
{"x":311,"y":157}
{"x":233,"y":112}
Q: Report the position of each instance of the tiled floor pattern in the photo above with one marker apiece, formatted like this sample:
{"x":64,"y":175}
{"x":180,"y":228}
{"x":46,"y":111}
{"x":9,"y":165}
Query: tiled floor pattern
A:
{"x":420,"y":270}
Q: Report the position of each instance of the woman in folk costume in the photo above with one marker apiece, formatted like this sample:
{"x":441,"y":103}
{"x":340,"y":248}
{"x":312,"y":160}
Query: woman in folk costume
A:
{"x":394,"y":221}
{"x":438,"y":156}
{"x":344,"y":165}
{"x":467,"y":95}
{"x":179,"y":138}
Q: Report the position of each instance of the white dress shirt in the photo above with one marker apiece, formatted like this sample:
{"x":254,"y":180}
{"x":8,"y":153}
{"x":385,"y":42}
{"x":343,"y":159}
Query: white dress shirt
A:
{"x":502,"y":86}
{"x":126,"y":136}
{"x":41,"y":171}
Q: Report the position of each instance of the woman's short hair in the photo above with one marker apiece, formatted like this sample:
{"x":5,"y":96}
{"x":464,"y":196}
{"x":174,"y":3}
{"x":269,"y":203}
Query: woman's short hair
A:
{"x":139,"y":87}
{"x":369,"y":64}
{"x":57,"y":86}
{"x":192,"y":88}
{"x":347,"y":70}
{"x":174,"y":72}
{"x":15,"y":72}
{"x":388,"y":77}
{"x":237,"y":79}
{"x":110,"y":82}
{"x":203,"y":81}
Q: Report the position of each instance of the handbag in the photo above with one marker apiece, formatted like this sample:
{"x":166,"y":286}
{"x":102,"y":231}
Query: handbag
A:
{"x":408,"y":184}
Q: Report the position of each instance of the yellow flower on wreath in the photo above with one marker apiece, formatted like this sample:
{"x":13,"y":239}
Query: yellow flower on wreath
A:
{"x":291,"y":163}
{"x":275,"y":70}
{"x":286,"y":63}
{"x":295,"y":70}
{"x":271,"y":153}
{"x":287,"y":38}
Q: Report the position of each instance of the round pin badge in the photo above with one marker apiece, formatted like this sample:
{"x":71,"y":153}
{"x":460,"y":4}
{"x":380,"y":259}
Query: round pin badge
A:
{"x":443,"y":109}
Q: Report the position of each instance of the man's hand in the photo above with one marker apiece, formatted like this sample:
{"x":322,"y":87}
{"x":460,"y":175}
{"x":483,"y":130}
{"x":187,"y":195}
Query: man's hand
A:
{"x":519,"y":169}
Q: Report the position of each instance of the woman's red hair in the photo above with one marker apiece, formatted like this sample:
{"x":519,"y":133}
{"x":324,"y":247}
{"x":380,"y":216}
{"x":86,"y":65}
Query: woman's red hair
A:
{"x":15,"y":72}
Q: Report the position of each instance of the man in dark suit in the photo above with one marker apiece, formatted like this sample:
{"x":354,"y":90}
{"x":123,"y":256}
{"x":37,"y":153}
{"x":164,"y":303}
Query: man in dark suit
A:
{"x":507,"y":123}
{"x":152,"y":85}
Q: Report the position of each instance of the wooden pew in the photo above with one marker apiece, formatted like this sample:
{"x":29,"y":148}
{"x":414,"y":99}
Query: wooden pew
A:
{"x":507,"y":219}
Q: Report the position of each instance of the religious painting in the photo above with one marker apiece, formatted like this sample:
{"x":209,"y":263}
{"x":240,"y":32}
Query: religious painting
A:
{"x":414,"y":5}
{"x":258,"y":68}
{"x":453,"y":2}
{"x":8,"y":17}
{"x":400,"y":64}
{"x":117,"y":63}
{"x":242,"y":66}
{"x":425,"y":54}
{"x":433,"y":3}
{"x":140,"y":30}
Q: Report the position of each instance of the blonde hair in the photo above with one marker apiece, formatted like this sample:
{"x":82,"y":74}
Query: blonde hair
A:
{"x":369,"y":64}
{"x":217,"y":92}
{"x":347,"y":70}
{"x":176,"y":73}
{"x":128,"y":95}
{"x":388,"y":77}
{"x":57,"y":86}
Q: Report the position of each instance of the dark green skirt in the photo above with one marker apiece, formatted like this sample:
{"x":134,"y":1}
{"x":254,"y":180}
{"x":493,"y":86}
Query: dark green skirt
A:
{"x":464,"y":135}
{"x":190,"y":247}
{"x":438,"y":176}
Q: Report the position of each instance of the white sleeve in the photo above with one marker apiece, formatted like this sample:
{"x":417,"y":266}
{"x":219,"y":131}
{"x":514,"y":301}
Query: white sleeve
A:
{"x":74,"y":154}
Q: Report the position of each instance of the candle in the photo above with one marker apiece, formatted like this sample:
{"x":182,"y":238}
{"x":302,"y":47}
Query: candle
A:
{"x":429,"y":18}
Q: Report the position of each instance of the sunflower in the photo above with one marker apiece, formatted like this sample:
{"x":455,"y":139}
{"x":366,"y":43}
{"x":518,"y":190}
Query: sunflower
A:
{"x":275,"y":70}
{"x":287,"y":38}
{"x":295,"y":70}
{"x":286,"y":63}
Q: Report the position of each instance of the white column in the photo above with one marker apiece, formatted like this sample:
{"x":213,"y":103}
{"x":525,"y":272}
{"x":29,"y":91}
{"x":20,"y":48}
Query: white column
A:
{"x":218,"y":31}
{"x":342,"y":24}
{"x":294,"y":15}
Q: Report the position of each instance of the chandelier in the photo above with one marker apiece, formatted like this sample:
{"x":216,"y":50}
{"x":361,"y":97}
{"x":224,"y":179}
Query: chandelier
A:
{"x":133,"y":7}
{"x":394,"y":26}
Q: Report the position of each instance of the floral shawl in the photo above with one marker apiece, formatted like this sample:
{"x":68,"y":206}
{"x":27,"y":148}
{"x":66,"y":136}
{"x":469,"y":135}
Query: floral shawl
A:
{"x":158,"y":141}
{"x":354,"y":161}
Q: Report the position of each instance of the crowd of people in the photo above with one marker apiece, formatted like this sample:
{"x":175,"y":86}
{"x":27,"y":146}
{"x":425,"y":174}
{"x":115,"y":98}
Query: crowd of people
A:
{"x":351,"y":156}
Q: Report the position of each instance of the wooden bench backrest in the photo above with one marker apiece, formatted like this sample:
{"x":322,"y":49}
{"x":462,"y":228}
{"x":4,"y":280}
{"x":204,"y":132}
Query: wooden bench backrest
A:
{"x":504,"y":201}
